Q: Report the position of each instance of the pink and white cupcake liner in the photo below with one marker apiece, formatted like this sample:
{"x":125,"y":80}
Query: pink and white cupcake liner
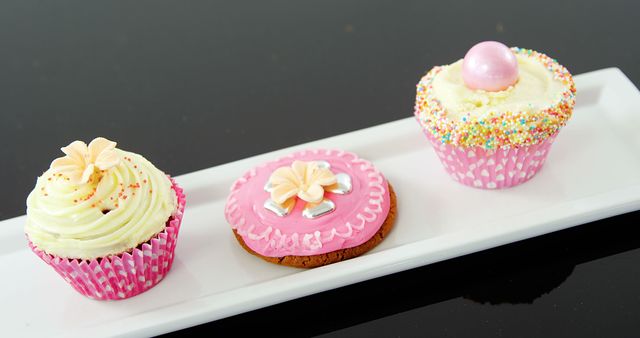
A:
{"x":124,"y":275}
{"x":491,"y":169}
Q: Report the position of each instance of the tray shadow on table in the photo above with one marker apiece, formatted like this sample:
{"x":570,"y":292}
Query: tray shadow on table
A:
{"x":517,"y":273}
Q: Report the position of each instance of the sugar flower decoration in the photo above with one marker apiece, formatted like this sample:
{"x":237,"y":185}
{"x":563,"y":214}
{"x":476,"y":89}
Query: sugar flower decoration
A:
{"x":303,"y":179}
{"x":81,"y":160}
{"x":307,"y":181}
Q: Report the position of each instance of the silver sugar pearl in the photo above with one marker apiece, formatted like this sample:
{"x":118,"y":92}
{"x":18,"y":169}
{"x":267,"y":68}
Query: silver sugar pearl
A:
{"x":315,"y":210}
{"x":323,"y":164}
{"x":342,"y":186}
{"x":280,"y":210}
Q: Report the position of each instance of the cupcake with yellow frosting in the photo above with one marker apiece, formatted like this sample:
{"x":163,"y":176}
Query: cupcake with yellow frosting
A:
{"x":493,"y":116}
{"x":105,"y":219}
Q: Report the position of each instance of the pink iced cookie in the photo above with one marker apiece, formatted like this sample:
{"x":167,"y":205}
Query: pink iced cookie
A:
{"x":352,"y":209}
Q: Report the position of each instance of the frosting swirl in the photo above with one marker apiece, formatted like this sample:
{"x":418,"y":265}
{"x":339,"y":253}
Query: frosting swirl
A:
{"x":114,"y":211}
{"x":525,"y":114}
{"x":535,"y":89}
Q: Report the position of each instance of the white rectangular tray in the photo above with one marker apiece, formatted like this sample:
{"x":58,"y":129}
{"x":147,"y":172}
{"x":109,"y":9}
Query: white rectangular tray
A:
{"x":593,"y":172}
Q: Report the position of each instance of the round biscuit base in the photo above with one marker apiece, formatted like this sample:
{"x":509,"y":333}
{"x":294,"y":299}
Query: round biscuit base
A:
{"x":338,"y":255}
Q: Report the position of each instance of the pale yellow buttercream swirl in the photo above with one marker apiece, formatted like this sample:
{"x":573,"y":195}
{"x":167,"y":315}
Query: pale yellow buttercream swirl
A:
{"x":118,"y":209}
{"x":535,"y":90}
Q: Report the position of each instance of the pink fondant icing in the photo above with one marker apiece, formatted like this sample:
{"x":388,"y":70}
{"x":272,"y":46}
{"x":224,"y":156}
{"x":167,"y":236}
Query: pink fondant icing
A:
{"x":357,"y":217}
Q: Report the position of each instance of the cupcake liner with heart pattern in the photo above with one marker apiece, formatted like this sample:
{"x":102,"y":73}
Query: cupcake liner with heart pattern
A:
{"x":492,"y":169}
{"x":124,"y":275}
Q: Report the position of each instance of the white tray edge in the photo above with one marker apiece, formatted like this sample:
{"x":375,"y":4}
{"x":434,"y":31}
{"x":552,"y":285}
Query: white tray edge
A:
{"x":420,"y":253}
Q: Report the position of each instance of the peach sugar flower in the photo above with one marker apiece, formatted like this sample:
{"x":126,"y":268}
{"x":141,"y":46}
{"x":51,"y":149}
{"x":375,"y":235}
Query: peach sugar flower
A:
{"x":305,"y":180}
{"x":81,"y":160}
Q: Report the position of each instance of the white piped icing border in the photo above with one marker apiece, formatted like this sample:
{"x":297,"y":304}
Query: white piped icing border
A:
{"x":370,"y":211}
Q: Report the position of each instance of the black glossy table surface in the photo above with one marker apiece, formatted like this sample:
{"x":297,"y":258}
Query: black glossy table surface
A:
{"x":194,"y":84}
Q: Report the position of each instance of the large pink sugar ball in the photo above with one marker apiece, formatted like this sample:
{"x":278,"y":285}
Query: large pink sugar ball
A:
{"x":490,"y":66}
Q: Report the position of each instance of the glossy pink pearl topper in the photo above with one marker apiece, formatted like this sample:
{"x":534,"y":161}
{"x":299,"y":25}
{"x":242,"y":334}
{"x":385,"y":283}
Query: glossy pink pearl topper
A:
{"x":490,"y":66}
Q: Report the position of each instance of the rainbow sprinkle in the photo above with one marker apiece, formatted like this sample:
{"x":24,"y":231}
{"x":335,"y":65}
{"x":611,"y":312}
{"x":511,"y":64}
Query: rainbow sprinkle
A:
{"x":502,"y":130}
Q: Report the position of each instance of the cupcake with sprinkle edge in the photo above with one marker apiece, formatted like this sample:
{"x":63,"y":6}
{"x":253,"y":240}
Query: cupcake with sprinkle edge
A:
{"x":493,"y":116}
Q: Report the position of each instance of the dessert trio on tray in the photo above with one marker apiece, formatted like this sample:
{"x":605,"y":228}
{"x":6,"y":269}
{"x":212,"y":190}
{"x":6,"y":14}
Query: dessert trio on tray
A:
{"x":107,"y":220}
